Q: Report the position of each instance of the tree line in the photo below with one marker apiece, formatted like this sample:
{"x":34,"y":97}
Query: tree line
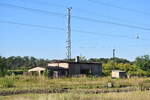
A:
{"x":139,"y":67}
{"x":20,"y":63}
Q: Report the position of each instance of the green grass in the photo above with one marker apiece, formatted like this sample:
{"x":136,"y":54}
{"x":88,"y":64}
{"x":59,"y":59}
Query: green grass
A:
{"x":7,"y":83}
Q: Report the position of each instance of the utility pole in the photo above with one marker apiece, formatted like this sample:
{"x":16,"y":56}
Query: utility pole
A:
{"x":68,"y":47}
{"x":114,"y":53}
{"x":114,"y":59}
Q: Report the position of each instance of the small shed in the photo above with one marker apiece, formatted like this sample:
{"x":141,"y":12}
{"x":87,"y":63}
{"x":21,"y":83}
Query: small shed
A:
{"x":118,"y":74}
{"x":37,"y":71}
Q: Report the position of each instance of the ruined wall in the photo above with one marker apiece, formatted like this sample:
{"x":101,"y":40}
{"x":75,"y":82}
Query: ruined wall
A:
{"x":78,"y":68}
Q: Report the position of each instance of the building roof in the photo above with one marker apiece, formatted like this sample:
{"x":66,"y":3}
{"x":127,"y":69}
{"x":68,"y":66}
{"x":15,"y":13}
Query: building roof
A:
{"x":36,"y":69}
{"x":117,"y":71}
{"x":71,"y":62}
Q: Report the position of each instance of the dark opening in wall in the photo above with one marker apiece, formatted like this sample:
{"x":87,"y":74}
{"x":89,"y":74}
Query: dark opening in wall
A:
{"x":85,"y":71}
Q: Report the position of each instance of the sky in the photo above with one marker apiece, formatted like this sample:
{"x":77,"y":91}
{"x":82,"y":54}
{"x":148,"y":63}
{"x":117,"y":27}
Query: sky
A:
{"x":97,"y":39}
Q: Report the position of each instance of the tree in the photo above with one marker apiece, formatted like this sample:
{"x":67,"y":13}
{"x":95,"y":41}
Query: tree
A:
{"x":82,"y":59}
{"x":3,"y":69}
{"x":100,"y":60}
{"x":120,"y":60}
{"x":143,"y":62}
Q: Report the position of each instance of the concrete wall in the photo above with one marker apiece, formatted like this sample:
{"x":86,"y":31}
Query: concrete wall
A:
{"x":117,"y":74}
{"x":76,"y":68}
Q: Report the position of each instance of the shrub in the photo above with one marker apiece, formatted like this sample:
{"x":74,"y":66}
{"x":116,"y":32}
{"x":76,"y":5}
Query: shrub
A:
{"x":46,"y":73}
{"x":7,"y":83}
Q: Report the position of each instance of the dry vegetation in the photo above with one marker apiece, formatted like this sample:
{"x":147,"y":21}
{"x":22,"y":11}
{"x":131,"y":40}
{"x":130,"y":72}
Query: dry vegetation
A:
{"x":76,"y":85}
{"x":21,"y":82}
{"x":71,"y":96}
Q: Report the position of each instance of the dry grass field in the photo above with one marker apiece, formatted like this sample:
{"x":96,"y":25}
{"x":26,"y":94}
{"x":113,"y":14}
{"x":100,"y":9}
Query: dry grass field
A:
{"x":82,"y":82}
{"x":15,"y":83}
{"x":71,"y":96}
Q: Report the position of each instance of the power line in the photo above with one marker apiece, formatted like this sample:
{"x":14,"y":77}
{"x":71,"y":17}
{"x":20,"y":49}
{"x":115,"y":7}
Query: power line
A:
{"x":118,"y":7}
{"x":95,"y":46}
{"x":79,"y":17}
{"x":102,"y":34}
{"x":76,"y":8}
{"x":74,"y":30}
{"x":32,"y":9}
{"x":111,"y":22}
{"x":87,"y":47}
{"x":45,"y":3}
{"x":32,"y":25}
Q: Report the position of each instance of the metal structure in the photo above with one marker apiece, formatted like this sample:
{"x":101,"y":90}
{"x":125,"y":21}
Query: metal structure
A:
{"x":114,"y":58}
{"x":114,"y":53}
{"x":68,"y":47}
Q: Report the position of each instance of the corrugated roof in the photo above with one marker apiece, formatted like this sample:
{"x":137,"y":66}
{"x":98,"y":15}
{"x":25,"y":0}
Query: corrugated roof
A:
{"x":36,"y":69}
{"x":70,"y":62}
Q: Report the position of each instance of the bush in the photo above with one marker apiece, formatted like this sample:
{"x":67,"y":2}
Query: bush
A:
{"x":3,"y":73}
{"x":3,"y":69}
{"x":15,"y":72}
{"x":7,"y":83}
{"x":46,"y":73}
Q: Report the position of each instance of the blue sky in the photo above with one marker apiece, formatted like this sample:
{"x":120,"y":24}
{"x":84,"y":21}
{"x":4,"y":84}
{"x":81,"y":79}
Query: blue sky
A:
{"x":18,"y":40}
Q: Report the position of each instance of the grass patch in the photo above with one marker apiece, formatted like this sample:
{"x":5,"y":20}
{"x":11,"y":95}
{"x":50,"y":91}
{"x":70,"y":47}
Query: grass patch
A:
{"x":72,"y":96}
{"x":7,"y":82}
